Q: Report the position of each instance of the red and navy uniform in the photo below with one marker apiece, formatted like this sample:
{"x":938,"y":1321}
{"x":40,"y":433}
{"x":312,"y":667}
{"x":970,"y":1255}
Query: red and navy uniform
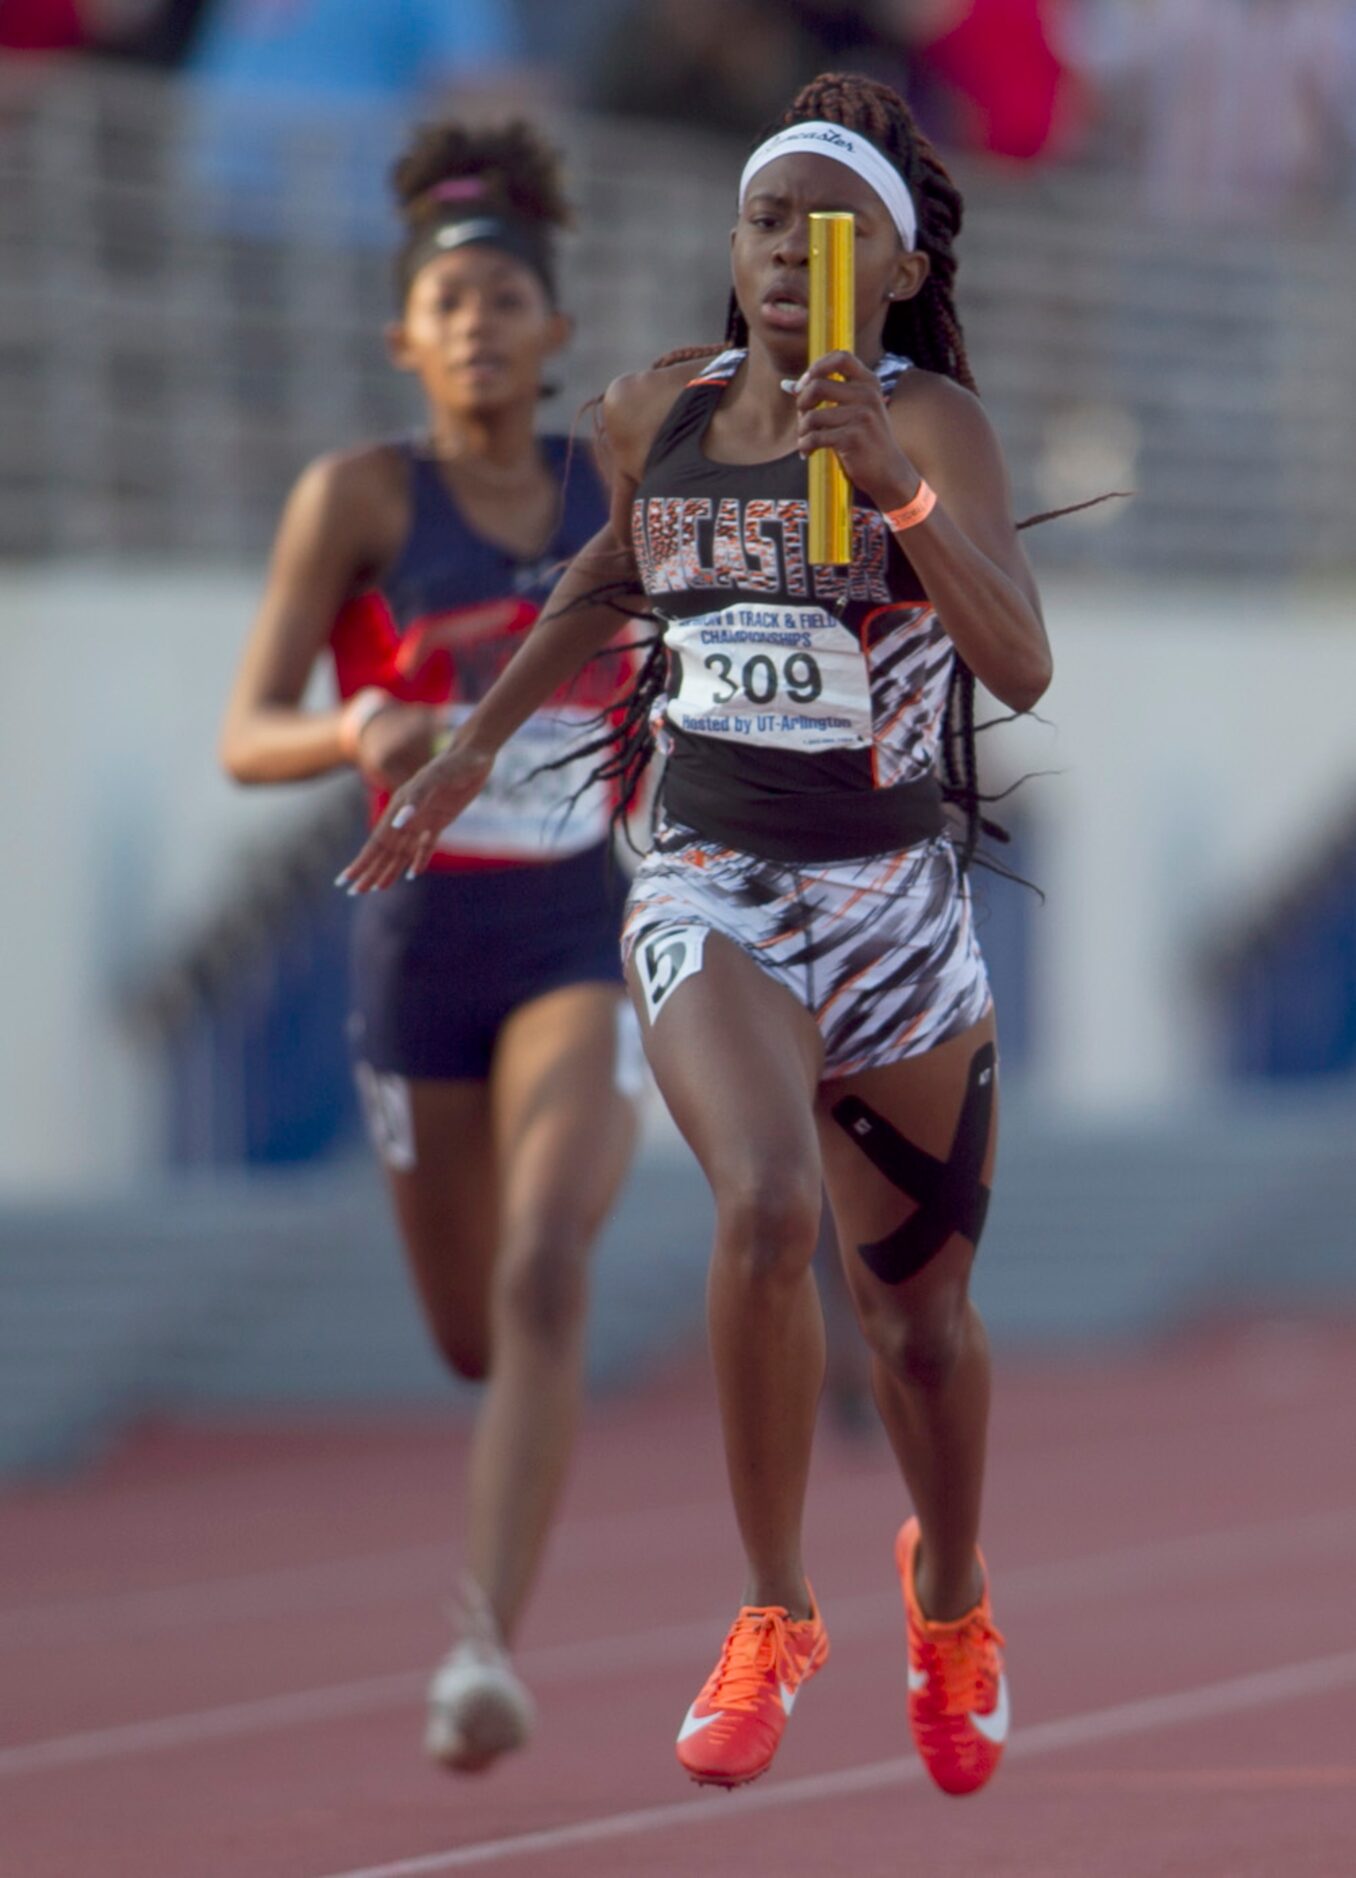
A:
{"x":521,"y":896}
{"x":440,"y":627}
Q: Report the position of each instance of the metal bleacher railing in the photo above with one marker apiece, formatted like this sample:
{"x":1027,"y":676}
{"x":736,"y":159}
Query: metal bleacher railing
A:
{"x":191,"y":304}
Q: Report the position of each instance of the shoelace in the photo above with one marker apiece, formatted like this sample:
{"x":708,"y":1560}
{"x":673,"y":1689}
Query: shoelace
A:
{"x":758,"y":1645}
{"x":961,"y":1665}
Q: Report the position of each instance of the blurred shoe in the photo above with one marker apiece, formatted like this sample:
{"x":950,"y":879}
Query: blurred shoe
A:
{"x":732,"y":1730}
{"x":477,"y":1707}
{"x":958,"y":1693}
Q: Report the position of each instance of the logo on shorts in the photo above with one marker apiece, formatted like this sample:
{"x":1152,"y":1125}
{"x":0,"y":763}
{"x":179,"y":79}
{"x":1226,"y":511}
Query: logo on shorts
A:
{"x":389,"y":1115}
{"x":665,"y":959}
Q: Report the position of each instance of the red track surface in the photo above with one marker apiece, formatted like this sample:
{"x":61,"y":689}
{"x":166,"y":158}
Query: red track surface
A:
{"x":212,"y":1653}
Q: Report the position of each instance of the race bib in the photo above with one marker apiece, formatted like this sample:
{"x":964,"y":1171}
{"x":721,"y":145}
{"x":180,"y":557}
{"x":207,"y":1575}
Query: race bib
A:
{"x":524,"y":812}
{"x":789,"y":676}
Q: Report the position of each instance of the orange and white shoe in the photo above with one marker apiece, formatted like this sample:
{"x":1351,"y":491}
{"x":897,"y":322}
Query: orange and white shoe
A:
{"x":732,"y":1730}
{"x":958,"y":1693}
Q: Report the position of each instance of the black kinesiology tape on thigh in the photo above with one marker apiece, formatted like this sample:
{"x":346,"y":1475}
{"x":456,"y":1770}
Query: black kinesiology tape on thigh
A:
{"x":950,"y":1194}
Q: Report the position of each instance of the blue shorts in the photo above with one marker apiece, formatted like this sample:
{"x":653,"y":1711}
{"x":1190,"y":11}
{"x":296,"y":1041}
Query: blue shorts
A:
{"x":439,"y":963}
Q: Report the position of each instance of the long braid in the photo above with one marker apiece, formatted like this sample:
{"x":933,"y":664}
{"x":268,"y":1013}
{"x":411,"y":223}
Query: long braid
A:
{"x":926,"y":329}
{"x":624,"y":733}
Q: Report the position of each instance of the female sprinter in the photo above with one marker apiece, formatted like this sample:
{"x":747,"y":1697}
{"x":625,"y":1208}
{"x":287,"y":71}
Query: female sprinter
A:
{"x":488,"y":1005}
{"x":799,"y":943}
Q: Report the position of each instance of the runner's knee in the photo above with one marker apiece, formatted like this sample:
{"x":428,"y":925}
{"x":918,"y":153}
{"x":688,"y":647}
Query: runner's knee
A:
{"x":541,"y":1288}
{"x":921,"y":1347}
{"x":767,"y":1219}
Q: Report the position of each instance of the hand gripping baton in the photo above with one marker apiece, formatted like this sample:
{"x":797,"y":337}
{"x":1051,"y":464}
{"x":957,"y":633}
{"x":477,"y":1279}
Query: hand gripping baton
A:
{"x":832,"y":329}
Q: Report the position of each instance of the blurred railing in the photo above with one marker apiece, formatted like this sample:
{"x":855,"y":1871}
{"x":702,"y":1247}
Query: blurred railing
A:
{"x":191,"y":304}
{"x":1283,"y":980}
{"x":245,"y":1018}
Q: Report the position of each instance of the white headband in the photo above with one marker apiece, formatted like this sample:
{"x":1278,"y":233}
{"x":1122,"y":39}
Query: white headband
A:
{"x":843,"y":146}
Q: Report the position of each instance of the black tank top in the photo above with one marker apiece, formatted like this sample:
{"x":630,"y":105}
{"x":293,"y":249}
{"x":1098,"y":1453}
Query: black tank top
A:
{"x":805,"y":704}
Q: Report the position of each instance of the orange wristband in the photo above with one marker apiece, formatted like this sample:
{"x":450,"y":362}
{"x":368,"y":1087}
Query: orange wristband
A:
{"x":914,"y":512}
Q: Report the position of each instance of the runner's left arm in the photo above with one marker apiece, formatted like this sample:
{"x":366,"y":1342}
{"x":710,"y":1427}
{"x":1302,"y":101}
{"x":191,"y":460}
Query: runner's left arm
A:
{"x":966,"y":552}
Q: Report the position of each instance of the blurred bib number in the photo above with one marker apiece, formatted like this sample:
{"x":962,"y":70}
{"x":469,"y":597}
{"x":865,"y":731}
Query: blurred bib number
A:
{"x":790,"y":676}
{"x":524,"y":812}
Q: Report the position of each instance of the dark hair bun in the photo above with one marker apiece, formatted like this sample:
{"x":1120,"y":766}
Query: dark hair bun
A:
{"x":517,"y":173}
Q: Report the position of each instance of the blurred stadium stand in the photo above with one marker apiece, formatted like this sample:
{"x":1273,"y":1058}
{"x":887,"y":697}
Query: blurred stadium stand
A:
{"x":1286,"y":978}
{"x":247,"y":1016}
{"x":236,"y":1295}
{"x":164,"y":375}
{"x":271,"y":1292}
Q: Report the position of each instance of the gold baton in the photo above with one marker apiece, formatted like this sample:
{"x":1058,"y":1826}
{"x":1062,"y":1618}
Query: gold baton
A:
{"x":833,"y":328}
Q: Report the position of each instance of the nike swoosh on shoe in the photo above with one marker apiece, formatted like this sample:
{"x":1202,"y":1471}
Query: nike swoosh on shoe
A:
{"x":693,"y":1723}
{"x":994,"y":1725}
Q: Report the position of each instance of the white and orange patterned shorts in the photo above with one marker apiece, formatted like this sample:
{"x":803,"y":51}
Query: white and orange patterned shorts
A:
{"x":881,"y":950}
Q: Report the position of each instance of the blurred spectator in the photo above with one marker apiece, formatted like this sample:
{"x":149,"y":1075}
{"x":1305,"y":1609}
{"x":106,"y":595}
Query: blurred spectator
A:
{"x":991,"y":74}
{"x":360,"y":49}
{"x":721,"y":64}
{"x":164,"y":37}
{"x":73,"y":25}
{"x":565,"y":37}
{"x":853,"y":36}
{"x":41,"y":26}
{"x":732,"y":64}
{"x":277,"y":73}
{"x":1227,"y":105}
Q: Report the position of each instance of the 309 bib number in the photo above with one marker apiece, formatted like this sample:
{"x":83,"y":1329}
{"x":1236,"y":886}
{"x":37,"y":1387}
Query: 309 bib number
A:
{"x":790,"y":677}
{"x":760,"y":681}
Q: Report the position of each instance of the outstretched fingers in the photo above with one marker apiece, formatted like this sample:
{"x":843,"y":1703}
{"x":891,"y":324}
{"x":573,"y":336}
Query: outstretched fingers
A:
{"x":398,"y":848}
{"x":402,"y":843}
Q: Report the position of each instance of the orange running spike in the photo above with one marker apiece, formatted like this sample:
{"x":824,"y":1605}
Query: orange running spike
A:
{"x":958,"y":1693}
{"x":732,"y":1730}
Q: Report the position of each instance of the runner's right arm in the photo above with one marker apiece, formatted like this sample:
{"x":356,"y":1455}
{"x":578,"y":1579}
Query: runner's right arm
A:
{"x":339,"y":524}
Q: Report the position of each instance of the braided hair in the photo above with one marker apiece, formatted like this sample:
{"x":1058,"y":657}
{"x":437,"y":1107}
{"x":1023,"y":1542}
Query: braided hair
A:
{"x":925,"y":329}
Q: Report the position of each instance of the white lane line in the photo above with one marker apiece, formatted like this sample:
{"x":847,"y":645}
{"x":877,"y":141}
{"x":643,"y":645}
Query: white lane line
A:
{"x":600,"y":1659}
{"x":334,"y":1584}
{"x":1213,"y":1556}
{"x":1236,"y":1551}
{"x":582,"y":1543}
{"x":1234,"y":1696}
{"x":582,"y":1540}
{"x":327,"y":1583}
{"x":331,"y":1584}
{"x":213,"y":1724}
